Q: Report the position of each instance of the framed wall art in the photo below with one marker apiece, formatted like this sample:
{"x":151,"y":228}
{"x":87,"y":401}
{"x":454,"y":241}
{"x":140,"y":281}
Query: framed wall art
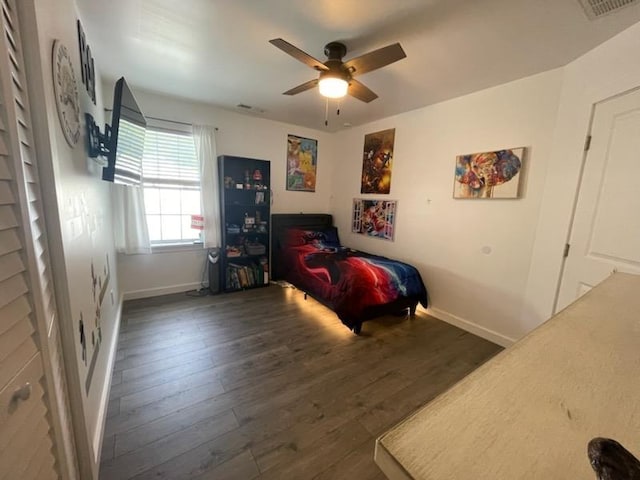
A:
{"x":377,"y":162}
{"x":65,"y":91}
{"x":302,"y":160}
{"x":374,"y":218}
{"x":489,"y":174}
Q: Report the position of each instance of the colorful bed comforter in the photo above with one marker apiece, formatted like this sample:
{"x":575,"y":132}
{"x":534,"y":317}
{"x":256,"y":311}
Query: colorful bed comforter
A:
{"x":350,"y":282}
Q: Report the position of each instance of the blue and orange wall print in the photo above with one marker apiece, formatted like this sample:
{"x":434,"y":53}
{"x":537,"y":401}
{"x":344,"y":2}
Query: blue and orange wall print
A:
{"x":377,"y":161}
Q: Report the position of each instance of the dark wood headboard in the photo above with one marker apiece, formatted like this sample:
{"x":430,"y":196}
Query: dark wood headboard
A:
{"x":283,"y":221}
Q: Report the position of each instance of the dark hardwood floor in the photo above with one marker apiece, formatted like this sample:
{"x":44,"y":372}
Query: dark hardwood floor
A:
{"x":265,"y":385}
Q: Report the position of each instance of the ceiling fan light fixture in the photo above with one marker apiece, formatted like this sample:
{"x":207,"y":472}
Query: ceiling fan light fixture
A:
{"x":336,"y":77}
{"x":333,"y":87}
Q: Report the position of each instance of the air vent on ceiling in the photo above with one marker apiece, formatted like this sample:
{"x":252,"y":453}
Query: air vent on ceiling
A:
{"x":599,"y":8}
{"x":250,"y":108}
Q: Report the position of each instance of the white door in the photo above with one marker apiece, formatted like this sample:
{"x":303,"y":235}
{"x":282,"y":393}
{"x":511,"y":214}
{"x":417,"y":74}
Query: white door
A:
{"x":36,"y":436}
{"x":605,"y":235}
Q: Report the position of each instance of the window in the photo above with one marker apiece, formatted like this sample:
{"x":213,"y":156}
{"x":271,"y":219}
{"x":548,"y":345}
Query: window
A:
{"x":171,"y":181}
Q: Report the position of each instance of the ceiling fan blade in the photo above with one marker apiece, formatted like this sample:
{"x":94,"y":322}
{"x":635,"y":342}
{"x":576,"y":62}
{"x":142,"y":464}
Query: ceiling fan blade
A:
{"x":298,"y":54}
{"x":359,"y":91}
{"x":303,"y":87}
{"x":376,"y":59}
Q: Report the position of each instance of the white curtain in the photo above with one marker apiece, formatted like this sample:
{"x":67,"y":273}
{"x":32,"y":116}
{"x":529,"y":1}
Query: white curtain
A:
{"x":129,"y":222}
{"x":205,"y":141}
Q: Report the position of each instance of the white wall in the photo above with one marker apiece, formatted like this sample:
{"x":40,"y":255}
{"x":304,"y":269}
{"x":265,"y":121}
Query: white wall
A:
{"x":501,"y":295}
{"x":240,"y":135}
{"x":606,"y":71}
{"x":443,"y":237}
{"x":78,"y":208}
{"x":507,"y":293}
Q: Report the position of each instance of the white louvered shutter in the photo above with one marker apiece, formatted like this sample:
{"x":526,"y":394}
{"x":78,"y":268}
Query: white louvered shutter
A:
{"x":35,"y":433}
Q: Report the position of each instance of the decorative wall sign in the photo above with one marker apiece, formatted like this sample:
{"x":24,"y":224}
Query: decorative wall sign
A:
{"x":66,"y":93}
{"x":302,"y":160}
{"x":99,"y":284}
{"x":374,"y":218}
{"x":87,"y":67}
{"x":488,"y":174}
{"x":83,"y":339}
{"x":377,"y":161}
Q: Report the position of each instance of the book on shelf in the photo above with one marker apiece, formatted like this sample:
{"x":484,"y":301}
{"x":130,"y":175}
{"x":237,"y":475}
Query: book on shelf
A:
{"x":246,"y":276}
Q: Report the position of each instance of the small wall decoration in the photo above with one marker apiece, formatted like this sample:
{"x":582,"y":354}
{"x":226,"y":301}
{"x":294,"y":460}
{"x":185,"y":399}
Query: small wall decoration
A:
{"x":66,"y":93}
{"x":302,"y":158}
{"x":374,"y":218}
{"x":99,"y":285}
{"x":87,"y":67}
{"x":377,"y":161}
{"x":83,"y":339}
{"x":94,"y":281}
{"x":488,"y":174}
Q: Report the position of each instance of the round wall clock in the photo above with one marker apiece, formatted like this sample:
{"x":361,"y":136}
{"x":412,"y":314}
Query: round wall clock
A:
{"x":66,"y":93}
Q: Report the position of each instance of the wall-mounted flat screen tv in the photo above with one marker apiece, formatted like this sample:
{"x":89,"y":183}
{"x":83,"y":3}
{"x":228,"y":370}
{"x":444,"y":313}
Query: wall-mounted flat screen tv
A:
{"x":126,"y":138}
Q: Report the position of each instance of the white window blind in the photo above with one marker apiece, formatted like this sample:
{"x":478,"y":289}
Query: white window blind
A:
{"x":128,"y":168}
{"x":171,"y":181}
{"x":170,"y":160}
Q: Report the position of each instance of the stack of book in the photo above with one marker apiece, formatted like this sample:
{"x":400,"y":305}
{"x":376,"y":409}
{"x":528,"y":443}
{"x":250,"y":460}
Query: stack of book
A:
{"x":246,"y":276}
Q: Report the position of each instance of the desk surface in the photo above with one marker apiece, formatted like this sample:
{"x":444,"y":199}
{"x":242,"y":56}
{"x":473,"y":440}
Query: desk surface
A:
{"x":531,"y":410}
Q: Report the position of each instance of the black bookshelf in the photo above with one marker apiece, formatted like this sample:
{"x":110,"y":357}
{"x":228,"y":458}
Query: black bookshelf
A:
{"x":245,"y":207}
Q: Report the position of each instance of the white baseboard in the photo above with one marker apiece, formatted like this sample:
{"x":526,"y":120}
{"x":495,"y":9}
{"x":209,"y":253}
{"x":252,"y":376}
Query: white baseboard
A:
{"x":471,"y":327}
{"x":156,"y":292}
{"x":106,"y":388}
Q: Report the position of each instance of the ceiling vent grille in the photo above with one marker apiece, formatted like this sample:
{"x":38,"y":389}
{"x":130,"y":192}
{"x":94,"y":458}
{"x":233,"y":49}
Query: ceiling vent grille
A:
{"x":599,"y":8}
{"x":249,"y":108}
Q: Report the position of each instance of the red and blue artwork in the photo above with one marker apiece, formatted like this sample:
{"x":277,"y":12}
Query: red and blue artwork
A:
{"x":374,"y":218}
{"x":350,"y":282}
{"x":488,"y":174}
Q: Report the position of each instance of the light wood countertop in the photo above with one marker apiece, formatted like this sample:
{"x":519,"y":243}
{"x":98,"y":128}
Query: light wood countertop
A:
{"x":530,"y":411}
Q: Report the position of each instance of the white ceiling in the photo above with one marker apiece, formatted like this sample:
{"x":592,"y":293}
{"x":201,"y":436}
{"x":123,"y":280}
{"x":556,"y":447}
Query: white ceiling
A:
{"x":217,"y":51}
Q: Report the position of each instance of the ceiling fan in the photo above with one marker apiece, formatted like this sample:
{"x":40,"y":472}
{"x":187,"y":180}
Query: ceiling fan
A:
{"x":336,"y":77}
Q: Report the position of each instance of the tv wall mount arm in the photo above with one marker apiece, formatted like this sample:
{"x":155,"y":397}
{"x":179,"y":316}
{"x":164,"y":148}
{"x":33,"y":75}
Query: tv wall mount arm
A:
{"x":99,"y":144}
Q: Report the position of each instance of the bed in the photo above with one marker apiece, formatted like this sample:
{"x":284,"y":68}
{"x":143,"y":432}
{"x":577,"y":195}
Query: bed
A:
{"x":357,"y":286}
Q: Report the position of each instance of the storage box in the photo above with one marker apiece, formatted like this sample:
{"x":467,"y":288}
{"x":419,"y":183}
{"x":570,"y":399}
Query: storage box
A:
{"x":255,"y":249}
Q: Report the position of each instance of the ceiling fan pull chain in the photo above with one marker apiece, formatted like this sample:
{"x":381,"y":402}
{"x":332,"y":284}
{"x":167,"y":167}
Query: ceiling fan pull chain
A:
{"x":326,"y":113}
{"x":338,"y":110}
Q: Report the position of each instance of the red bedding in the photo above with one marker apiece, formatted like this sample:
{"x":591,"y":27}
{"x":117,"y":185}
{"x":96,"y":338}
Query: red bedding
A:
{"x":356,"y":285}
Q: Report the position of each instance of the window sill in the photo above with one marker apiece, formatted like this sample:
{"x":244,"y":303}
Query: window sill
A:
{"x":176,"y":247}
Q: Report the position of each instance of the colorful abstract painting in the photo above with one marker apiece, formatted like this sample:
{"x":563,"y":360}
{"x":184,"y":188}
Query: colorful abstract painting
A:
{"x":488,"y":174}
{"x":302,"y":158}
{"x":377,"y":161}
{"x":374,"y":218}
